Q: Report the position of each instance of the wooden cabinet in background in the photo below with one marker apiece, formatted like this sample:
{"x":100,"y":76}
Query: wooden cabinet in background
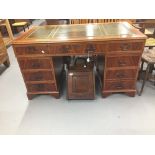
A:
{"x":81,"y":81}
{"x":4,"y":58}
{"x":8,"y":35}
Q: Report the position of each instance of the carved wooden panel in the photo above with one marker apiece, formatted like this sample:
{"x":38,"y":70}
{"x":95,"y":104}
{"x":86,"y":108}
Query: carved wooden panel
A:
{"x":81,"y":85}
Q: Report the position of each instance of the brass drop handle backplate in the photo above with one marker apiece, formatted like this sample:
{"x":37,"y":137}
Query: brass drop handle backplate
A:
{"x":119,"y":86}
{"x":125,"y":47}
{"x":90,"y":48}
{"x":120,"y":75}
{"x":121,"y":63}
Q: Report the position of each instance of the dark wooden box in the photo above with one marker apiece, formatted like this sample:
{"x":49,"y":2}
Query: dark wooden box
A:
{"x":80,"y":83}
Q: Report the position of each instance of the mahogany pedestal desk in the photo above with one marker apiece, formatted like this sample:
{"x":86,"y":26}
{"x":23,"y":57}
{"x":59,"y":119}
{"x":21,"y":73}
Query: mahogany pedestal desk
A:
{"x":40,"y":51}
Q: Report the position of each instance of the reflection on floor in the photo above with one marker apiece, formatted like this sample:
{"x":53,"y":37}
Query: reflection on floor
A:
{"x":116,"y":114}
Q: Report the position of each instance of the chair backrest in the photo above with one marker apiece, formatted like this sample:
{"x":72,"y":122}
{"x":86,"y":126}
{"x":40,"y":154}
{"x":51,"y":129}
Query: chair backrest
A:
{"x":147,"y":26}
{"x":3,"y":51}
{"x":85,"y":21}
{"x":75,"y":21}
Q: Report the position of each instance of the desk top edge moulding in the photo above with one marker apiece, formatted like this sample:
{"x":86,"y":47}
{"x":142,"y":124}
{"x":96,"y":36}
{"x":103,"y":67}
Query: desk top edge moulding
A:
{"x":40,"y":52}
{"x":79,"y":32}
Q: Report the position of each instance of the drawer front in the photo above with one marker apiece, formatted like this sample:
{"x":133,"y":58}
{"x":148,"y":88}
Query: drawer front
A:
{"x":121,"y":74}
{"x":122,"y":61}
{"x":31,"y":50}
{"x":38,"y":76}
{"x":78,"y":48}
{"x":47,"y":87}
{"x":125,"y":46}
{"x":119,"y":85}
{"x":34,"y":63}
{"x":66,"y":49}
{"x":96,"y":47}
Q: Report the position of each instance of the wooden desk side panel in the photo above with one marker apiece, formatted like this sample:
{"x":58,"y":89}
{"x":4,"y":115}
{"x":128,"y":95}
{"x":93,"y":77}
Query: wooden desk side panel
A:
{"x":41,"y":73}
{"x":121,"y":68}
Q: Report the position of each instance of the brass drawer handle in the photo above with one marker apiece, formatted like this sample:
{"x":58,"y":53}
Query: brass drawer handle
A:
{"x":90,"y":48}
{"x":31,"y":48}
{"x":66,"y":49}
{"x":76,"y":46}
{"x":35,"y":65}
{"x":118,"y":86}
{"x":125,"y":47}
{"x":39,"y":77}
{"x":121,"y":63}
{"x":43,"y":52}
{"x":40,"y":86}
{"x":120,"y":75}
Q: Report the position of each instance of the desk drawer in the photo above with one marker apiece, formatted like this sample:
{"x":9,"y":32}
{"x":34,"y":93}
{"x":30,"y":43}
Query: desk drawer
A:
{"x":119,"y":85}
{"x":96,"y":47}
{"x":121,"y":74}
{"x":122,"y":61}
{"x":31,"y":50}
{"x":38,"y":76}
{"x":78,"y":48}
{"x":46,"y":87}
{"x":66,"y":48}
{"x":35,"y":63}
{"x":125,"y":46}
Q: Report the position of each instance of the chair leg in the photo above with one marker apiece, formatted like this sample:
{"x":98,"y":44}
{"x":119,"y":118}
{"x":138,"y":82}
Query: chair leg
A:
{"x":27,"y":26}
{"x":150,"y":47}
{"x":151,"y":68}
{"x":7,"y":62}
{"x":141,"y":70}
{"x":24,"y":28}
{"x":145,"y":78}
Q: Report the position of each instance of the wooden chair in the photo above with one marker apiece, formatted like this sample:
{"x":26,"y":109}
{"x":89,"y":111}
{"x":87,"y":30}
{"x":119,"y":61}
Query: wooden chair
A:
{"x":22,"y":24}
{"x":7,"y":39}
{"x":107,"y":20}
{"x":4,"y":59}
{"x":85,"y":21}
{"x":74,"y":21}
{"x":148,"y":57}
{"x":56,"y":21}
{"x":146,"y":26}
